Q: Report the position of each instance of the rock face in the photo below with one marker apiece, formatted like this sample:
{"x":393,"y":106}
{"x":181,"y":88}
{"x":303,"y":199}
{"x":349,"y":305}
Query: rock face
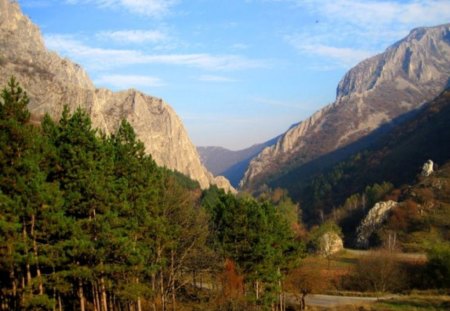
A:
{"x":373,"y":221}
{"x":374,"y":93}
{"x":52,"y":82}
{"x":330,"y":243}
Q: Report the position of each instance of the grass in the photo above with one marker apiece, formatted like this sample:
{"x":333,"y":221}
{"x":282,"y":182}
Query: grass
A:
{"x":414,"y":303}
{"x":404,"y":303}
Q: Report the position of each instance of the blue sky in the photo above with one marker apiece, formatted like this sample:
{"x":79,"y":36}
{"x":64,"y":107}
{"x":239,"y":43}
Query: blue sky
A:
{"x":237,"y":72}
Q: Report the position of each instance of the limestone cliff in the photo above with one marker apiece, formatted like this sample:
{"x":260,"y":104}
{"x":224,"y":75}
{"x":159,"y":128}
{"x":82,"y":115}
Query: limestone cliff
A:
{"x":52,"y":82}
{"x":375,"y":92}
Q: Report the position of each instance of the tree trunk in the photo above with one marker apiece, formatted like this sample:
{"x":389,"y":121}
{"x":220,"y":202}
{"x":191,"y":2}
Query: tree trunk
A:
{"x":154,"y":290}
{"x":103,"y":293}
{"x":94,"y":295}
{"x":81,"y":296}
{"x":59,"y":302}
{"x":111,"y":302}
{"x":35,"y":253}
{"x":139,"y":303}
{"x":172,"y":279}
{"x":163,"y":298}
{"x":257,"y":289}
{"x":302,"y":302}
{"x":27,"y":264}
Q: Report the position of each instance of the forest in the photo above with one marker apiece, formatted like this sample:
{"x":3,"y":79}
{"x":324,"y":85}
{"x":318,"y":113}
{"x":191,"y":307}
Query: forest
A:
{"x":88,"y":221}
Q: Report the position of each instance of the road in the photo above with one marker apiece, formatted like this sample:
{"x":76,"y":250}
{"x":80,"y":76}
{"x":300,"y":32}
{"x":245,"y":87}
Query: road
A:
{"x":400,"y":256}
{"x":329,"y":301}
{"x":334,"y":301}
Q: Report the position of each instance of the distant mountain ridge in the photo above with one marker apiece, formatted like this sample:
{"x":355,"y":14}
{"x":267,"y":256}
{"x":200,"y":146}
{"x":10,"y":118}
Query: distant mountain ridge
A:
{"x":372,"y":94}
{"x":52,"y":82}
{"x":228,"y":163}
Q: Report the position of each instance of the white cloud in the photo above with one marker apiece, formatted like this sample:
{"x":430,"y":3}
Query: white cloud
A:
{"x":101,"y":58}
{"x":212,"y":78}
{"x":152,"y":8}
{"x":129,"y":81}
{"x":367,"y":13}
{"x":134,"y":36}
{"x":341,"y":56}
{"x":350,"y":30}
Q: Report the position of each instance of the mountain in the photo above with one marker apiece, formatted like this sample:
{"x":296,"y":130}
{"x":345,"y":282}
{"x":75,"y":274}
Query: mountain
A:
{"x":229,"y":163}
{"x":395,"y":157}
{"x":373,"y":94}
{"x":52,"y":82}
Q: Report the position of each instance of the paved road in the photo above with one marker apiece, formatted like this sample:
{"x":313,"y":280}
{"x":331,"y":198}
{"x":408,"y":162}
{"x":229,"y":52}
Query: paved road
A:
{"x":334,"y":301}
{"x":399,"y":255}
{"x":328,"y":301}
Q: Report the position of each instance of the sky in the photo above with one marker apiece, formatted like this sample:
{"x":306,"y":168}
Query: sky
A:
{"x":237,"y":72}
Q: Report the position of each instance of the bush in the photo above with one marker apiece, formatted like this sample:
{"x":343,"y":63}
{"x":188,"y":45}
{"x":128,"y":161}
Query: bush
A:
{"x":438,"y":267}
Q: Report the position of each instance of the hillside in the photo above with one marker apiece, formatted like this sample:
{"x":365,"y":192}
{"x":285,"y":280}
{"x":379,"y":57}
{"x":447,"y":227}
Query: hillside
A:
{"x":229,"y":163}
{"x":371,"y":96}
{"x":422,"y":218}
{"x":396,"y":157}
{"x":52,"y":82}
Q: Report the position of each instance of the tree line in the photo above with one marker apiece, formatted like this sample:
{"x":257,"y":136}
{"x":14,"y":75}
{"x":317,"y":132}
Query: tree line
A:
{"x":88,"y":221}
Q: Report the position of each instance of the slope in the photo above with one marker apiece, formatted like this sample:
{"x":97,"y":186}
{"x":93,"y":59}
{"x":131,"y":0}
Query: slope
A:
{"x":395,"y":157}
{"x":52,"y":82}
{"x":371,"y":95}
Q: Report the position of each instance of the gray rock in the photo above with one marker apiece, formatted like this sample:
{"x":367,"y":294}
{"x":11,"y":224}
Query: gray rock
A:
{"x":52,"y":82}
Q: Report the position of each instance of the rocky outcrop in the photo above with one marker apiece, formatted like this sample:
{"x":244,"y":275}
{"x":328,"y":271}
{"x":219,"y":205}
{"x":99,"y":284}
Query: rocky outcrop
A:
{"x":374,"y":93}
{"x":427,"y":168}
{"x":373,"y":221}
{"x":330,"y":243}
{"x":52,"y":82}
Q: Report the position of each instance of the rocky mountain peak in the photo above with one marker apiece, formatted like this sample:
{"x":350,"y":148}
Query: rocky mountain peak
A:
{"x":415,"y":59}
{"x":372,"y":94}
{"x":52,"y":81}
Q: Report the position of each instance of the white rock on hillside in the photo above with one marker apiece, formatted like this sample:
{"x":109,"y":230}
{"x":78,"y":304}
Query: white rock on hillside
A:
{"x":427,"y":168}
{"x":373,"y":221}
{"x":330,"y":243}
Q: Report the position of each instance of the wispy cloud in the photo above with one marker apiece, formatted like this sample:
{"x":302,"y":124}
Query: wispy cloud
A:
{"x":370,"y":13}
{"x":152,"y":8}
{"x":134,"y":36}
{"x":341,"y":56}
{"x":212,"y":78}
{"x":101,"y":58}
{"x":129,"y":81}
{"x":347,"y":31}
